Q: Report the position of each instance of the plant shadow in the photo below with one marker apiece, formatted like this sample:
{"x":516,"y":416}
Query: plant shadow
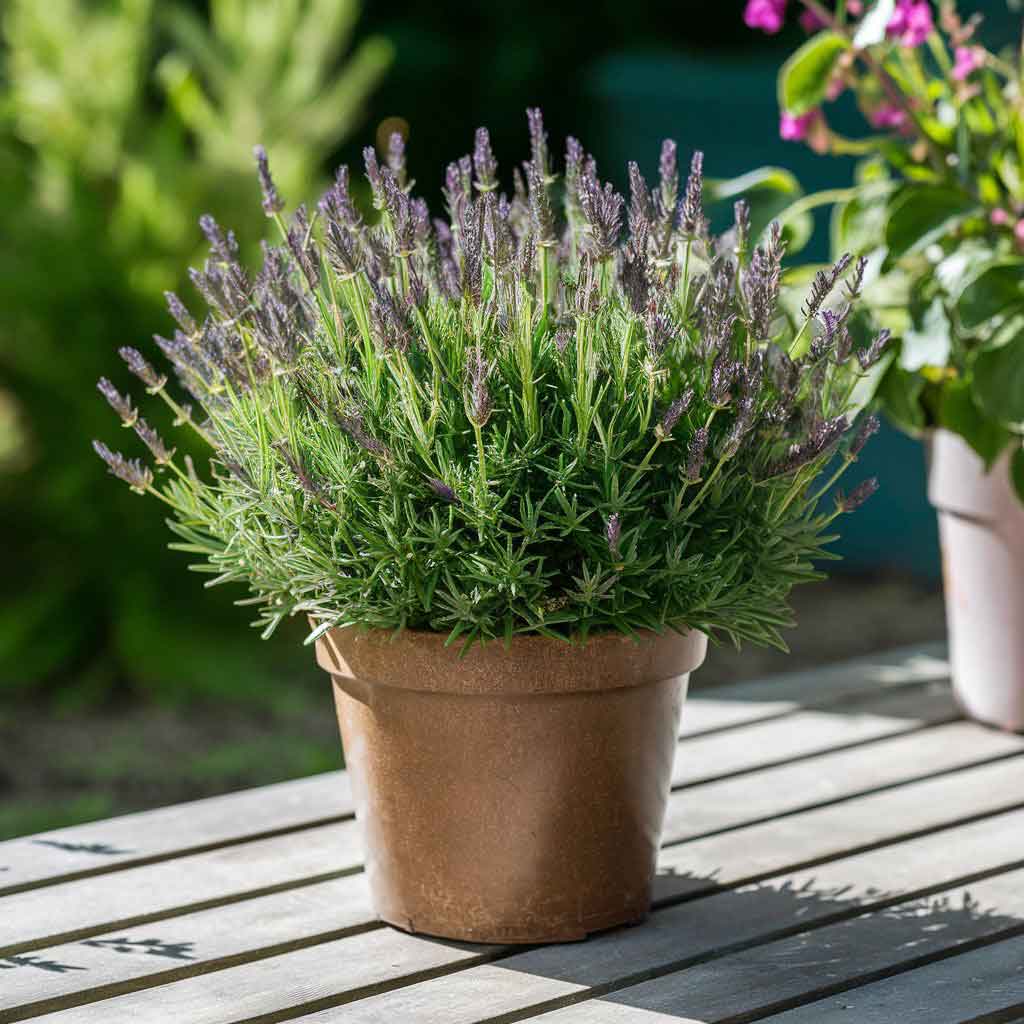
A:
{"x":746,"y":953}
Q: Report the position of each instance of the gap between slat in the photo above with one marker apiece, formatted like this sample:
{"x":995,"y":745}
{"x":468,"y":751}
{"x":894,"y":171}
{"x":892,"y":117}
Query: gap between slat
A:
{"x":825,"y":704}
{"x":1011,"y":1015}
{"x":766,"y":1012}
{"x":860,"y":980}
{"x":782,"y":762}
{"x":122,"y":988}
{"x":861,"y":793}
{"x":185,"y":851}
{"x":163,"y":915}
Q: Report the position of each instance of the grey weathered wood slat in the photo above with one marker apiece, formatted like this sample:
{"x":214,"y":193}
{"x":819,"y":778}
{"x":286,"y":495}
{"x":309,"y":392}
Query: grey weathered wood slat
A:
{"x":963,"y":988}
{"x":360,"y":963}
{"x":170,"y":831}
{"x":740,"y":703}
{"x":77,"y":908}
{"x":94,"y":903}
{"x":766,"y":977}
{"x":839,"y":887}
{"x":834,"y":775}
{"x":840,"y":829}
{"x":704,"y":927}
{"x":724,"y":918}
{"x":102,"y":966}
{"x":805,"y":733}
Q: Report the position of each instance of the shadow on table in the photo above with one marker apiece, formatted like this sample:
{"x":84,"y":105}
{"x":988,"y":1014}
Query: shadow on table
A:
{"x":706,"y":959}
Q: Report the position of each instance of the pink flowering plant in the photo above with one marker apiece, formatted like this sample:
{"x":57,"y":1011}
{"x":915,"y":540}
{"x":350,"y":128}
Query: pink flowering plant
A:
{"x":938,"y":202}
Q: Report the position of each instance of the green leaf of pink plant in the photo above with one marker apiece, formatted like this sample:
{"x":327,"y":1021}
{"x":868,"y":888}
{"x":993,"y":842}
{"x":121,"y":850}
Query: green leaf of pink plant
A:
{"x":804,"y":78}
{"x":922,"y":216}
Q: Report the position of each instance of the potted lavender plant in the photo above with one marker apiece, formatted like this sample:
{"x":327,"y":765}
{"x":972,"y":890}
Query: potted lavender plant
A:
{"x":515,"y":469}
{"x":939,"y":206}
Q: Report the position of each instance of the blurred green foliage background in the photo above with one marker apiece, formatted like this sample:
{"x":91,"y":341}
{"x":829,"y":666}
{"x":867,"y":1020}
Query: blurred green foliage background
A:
{"x":122,"y":681}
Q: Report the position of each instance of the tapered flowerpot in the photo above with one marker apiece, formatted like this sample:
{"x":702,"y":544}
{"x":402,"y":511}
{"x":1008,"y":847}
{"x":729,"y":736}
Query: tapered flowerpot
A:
{"x":513,"y":794}
{"x":981,"y":527}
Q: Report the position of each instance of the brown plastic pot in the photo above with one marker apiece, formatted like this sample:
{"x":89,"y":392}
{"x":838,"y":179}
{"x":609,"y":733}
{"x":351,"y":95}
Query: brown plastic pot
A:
{"x":511,"y":794}
{"x":981,"y":526}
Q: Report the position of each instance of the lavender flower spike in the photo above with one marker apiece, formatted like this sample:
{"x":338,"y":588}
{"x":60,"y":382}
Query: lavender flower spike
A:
{"x":868,"y":428}
{"x":673,"y":414}
{"x":696,"y":450}
{"x":272,"y":201}
{"x":668,"y":172}
{"x":613,"y":533}
{"x":396,"y":157}
{"x":823,"y":283}
{"x":154,"y":442}
{"x":121,"y":404}
{"x":484,"y":163}
{"x":857,"y":497}
{"x":540,"y":206}
{"x":741,"y":213}
{"x":443,"y":491}
{"x":182,"y":316}
{"x":132,"y":471}
{"x":538,"y":140}
{"x":603,"y":211}
{"x":478,"y":395}
{"x":870,"y":356}
{"x":692,"y":217}
{"x":138,"y":365}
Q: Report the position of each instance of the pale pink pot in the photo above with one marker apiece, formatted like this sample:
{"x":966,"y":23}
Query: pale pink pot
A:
{"x":981,"y":527}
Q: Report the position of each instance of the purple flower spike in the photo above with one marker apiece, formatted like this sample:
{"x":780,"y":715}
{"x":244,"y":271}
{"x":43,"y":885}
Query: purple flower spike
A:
{"x":272,"y":201}
{"x":613,"y":533}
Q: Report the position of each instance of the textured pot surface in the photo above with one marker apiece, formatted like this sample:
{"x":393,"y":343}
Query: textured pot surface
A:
{"x":514,"y":794}
{"x":981,"y":526}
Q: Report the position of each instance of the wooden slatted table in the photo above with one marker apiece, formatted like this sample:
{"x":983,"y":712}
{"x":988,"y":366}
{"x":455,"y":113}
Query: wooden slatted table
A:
{"x":839,"y":846}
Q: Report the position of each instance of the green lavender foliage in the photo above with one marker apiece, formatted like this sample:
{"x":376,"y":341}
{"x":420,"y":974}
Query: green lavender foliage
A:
{"x":510,"y":422}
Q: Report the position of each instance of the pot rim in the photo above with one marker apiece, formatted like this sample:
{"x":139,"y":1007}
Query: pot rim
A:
{"x":530,"y":664}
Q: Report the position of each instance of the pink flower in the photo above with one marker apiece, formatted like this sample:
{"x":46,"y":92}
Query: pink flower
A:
{"x":968,"y":59}
{"x":888,"y":115}
{"x":767,"y":15}
{"x":811,"y":22}
{"x":836,"y":86}
{"x":911,"y":22}
{"x":795,"y":128}
{"x":998,"y":217}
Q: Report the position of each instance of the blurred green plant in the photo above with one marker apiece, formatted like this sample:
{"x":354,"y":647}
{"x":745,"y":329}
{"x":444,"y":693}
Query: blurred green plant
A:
{"x":120,"y":123}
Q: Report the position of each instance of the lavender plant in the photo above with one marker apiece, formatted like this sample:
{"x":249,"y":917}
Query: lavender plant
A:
{"x":550,"y":412}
